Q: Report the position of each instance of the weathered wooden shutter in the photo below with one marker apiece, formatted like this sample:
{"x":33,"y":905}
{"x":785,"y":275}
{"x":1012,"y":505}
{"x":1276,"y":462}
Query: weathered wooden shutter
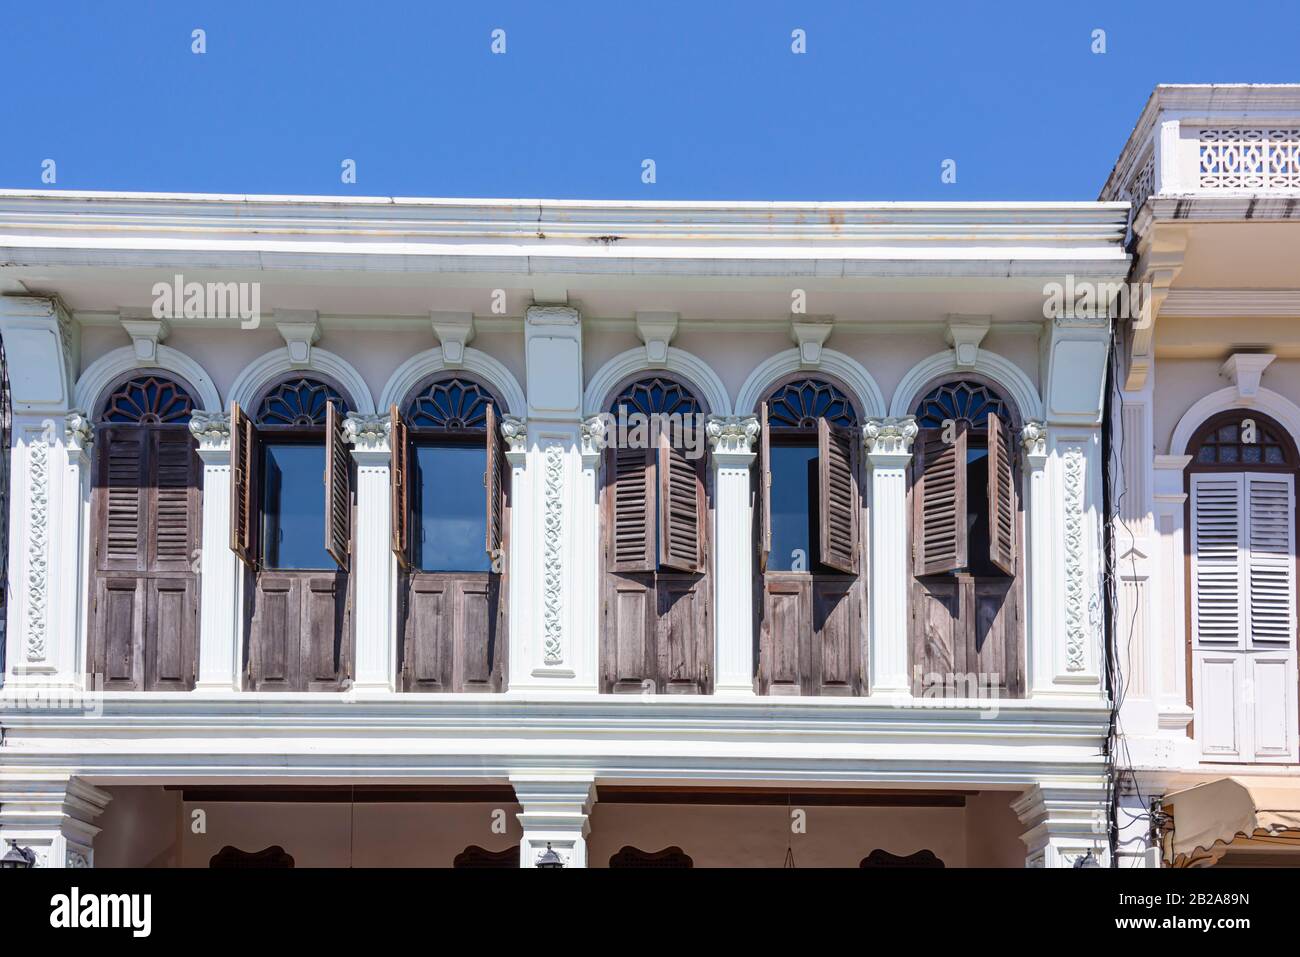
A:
{"x":679,"y":507}
{"x":939,"y":502}
{"x":338,"y":493}
{"x":494,"y":485}
{"x":1270,"y":574}
{"x":1002,"y":499}
{"x":1217,"y":509}
{"x":631,"y":483}
{"x":837,"y":498}
{"x":764,"y":488}
{"x":123,"y":478}
{"x":399,"y":495}
{"x":243,"y":466}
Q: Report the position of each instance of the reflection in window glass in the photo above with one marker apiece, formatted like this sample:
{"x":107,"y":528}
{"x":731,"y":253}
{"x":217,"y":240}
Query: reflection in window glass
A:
{"x":293,"y":506}
{"x":451,"y":524}
{"x":794,"y":507}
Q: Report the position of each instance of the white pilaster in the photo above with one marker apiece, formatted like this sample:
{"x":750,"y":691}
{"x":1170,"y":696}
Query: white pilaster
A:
{"x":47,"y":497}
{"x":731,"y":439}
{"x":554,"y":563}
{"x":374,"y":567}
{"x":556,"y":814}
{"x":220,"y":581}
{"x":888,"y":445}
{"x":53,"y":816}
{"x":1040,"y":536}
{"x":1064,"y":821}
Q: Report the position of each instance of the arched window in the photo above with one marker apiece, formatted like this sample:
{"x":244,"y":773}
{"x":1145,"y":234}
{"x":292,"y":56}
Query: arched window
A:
{"x":966,"y":543}
{"x":809,"y":534}
{"x":449,"y":481}
{"x":291,"y":524}
{"x":655,"y":508}
{"x":1241,"y":519}
{"x":147,"y":512}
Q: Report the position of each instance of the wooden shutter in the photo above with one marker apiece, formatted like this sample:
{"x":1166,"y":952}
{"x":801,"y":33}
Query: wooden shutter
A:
{"x":632,"y":509}
{"x":494,"y":484}
{"x":338,"y":494}
{"x":1217,"y":509}
{"x":837,"y":498}
{"x":1002,"y":499}
{"x":679,"y":507}
{"x":1270,"y":571}
{"x":243,"y":466}
{"x":123,"y":479}
{"x":764,"y":489}
{"x":939,"y":502}
{"x":399,"y":495}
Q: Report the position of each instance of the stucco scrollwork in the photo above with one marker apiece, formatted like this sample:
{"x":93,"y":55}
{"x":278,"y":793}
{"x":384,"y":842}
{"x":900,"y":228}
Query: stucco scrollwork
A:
{"x":893,"y":435}
{"x":38,"y":542}
{"x":515,"y":431}
{"x":211,"y":430}
{"x":78,"y":430}
{"x":1033,"y":438}
{"x":1075,"y":603}
{"x":367,"y":433}
{"x":552,"y":556}
{"x":594,"y":437}
{"x":732,"y":434}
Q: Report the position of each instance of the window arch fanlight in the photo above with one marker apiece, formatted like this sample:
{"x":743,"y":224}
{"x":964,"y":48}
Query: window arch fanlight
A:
{"x":656,"y":394}
{"x":147,"y":400}
{"x":799,"y":403}
{"x":1242,"y":438}
{"x":298,"y":401}
{"x":454,"y":404}
{"x":963,"y":400}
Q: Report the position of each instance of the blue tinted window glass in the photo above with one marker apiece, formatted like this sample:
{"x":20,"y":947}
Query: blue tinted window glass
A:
{"x":293,"y":506}
{"x":450,"y":520}
{"x":794,"y":507}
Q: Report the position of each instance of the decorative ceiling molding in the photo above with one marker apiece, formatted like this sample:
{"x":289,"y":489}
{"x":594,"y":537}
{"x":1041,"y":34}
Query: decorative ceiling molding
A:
{"x":1232,"y":303}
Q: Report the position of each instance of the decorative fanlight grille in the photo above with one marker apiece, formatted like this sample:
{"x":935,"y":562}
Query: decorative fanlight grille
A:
{"x":148,"y":400}
{"x":451,"y":404}
{"x":656,"y":396}
{"x":964,"y":400}
{"x":298,"y":402}
{"x":799,"y":404}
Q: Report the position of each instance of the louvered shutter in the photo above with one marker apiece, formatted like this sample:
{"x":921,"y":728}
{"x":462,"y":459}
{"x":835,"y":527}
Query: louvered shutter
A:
{"x":338,"y":494}
{"x":1270,"y":571}
{"x":123,"y":480}
{"x":173,"y":500}
{"x":631,"y":484}
{"x":243,"y":468}
{"x":494,"y":485}
{"x":837,"y":498}
{"x":1218,"y":557}
{"x":679,"y":507}
{"x":399,"y":495}
{"x":939,"y":502}
{"x":764,"y":488}
{"x":1002,"y":499}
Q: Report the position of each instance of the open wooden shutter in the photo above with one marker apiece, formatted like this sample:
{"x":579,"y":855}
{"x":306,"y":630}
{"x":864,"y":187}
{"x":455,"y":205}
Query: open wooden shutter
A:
{"x":837,"y":498}
{"x":399,"y":495}
{"x":1270,"y":571}
{"x":243,"y":465}
{"x":679,"y":507}
{"x":632,"y":518}
{"x":494,"y":484}
{"x":338,"y":493}
{"x":1002,"y":499}
{"x":1218,"y":547}
{"x":124,"y":481}
{"x":939,"y":530}
{"x":764,"y":488}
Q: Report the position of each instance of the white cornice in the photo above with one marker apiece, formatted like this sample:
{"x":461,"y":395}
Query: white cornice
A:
{"x":1229,"y":303}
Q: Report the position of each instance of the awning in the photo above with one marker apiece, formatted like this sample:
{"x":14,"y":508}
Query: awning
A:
{"x":1252,"y":812}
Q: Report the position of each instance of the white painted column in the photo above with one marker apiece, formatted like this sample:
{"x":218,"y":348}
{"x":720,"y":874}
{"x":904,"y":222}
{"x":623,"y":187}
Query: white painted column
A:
{"x":220,"y":580}
{"x":1040,"y":584}
{"x":374,"y":566}
{"x":888,"y":445}
{"x":556,"y":815}
{"x":554,"y":637}
{"x":731,"y":439}
{"x":52,"y":815}
{"x":1064,"y":821}
{"x":1173,"y":714}
{"x":47,"y":504}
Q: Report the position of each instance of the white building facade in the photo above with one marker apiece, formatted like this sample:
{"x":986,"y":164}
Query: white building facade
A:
{"x":856,"y":617}
{"x":1206,"y":424}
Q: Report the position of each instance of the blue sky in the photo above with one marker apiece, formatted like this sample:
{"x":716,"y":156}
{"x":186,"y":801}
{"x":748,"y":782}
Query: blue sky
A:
{"x":711,"y":91}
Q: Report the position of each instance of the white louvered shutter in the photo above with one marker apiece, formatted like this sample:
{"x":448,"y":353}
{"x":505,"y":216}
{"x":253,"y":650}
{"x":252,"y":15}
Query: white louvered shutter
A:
{"x":1270,"y":537}
{"x":1218,"y":526}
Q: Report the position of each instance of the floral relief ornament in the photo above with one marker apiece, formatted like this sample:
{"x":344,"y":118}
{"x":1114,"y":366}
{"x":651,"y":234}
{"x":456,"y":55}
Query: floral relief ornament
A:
{"x":515,"y":431}
{"x":1033,"y":438}
{"x":367,"y":432}
{"x":211,"y":429}
{"x":890,"y":436}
